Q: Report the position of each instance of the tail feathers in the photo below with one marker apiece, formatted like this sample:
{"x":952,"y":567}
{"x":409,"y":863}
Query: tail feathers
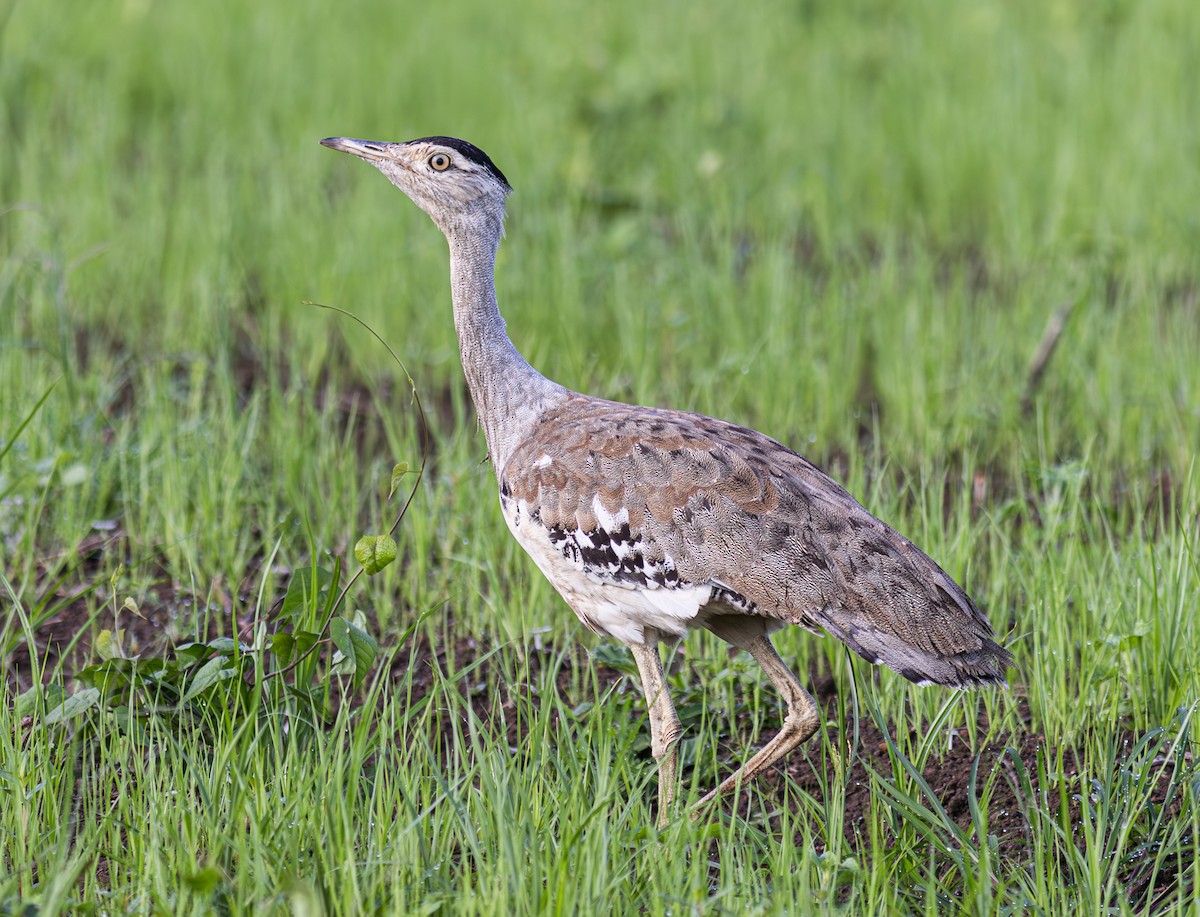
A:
{"x":986,"y":663}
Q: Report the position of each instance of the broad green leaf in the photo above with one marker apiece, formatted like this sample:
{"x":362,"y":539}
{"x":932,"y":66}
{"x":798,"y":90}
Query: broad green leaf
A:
{"x":302,"y":642}
{"x":283,"y":645}
{"x":303,"y":594}
{"x":75,"y":705}
{"x":215,"y":670}
{"x":357,"y":649}
{"x":617,"y":658}
{"x":339,"y":632}
{"x":127,"y":721}
{"x":47,"y":697}
{"x":398,"y":474}
{"x":26,"y":702}
{"x":375,"y":552}
{"x":154,"y":666}
{"x":188,"y":654}
{"x":305,"y":641}
{"x":110,"y":644}
{"x":109,"y":675}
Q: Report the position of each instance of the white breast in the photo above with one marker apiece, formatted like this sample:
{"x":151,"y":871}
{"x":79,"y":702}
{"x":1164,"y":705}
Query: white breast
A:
{"x":608,"y":600}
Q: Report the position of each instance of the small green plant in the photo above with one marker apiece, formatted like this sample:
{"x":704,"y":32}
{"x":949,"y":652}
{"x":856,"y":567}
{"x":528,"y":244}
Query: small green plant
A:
{"x":273,"y":666}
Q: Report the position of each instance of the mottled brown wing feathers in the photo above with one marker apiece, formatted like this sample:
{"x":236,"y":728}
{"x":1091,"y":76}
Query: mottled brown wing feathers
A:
{"x":732,"y":508}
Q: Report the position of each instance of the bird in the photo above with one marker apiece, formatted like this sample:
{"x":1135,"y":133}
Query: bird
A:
{"x":653,"y":522}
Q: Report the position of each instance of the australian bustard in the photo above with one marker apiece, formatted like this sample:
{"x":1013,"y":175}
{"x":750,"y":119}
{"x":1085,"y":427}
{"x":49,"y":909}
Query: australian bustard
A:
{"x":650,"y":522}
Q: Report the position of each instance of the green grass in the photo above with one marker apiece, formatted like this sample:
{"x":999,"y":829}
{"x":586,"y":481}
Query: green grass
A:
{"x":844,"y":224}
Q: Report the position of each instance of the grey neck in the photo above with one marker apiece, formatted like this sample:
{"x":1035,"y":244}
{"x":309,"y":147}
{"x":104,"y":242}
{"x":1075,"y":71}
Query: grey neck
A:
{"x":509,"y":394}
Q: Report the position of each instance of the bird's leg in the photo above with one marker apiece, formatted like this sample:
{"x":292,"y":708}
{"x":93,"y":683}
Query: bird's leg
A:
{"x":665,"y":727}
{"x":800,"y":723}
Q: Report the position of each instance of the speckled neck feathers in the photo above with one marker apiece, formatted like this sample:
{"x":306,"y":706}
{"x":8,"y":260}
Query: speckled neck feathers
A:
{"x":509,"y":394}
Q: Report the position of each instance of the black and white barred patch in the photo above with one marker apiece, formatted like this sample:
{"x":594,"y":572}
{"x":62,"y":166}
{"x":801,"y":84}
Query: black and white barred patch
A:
{"x":723,"y":595}
{"x":615,"y":555}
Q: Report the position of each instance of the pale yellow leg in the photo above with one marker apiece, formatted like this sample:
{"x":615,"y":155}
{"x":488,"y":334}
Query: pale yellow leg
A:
{"x":665,"y":727}
{"x":799,"y":725}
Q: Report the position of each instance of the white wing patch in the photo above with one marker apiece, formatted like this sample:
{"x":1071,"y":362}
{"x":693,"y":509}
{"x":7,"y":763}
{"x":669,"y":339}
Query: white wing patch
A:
{"x":610,"y":522}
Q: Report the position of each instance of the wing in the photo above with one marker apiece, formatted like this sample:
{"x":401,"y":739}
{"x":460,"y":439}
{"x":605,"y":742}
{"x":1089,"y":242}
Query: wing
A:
{"x":668,"y":498}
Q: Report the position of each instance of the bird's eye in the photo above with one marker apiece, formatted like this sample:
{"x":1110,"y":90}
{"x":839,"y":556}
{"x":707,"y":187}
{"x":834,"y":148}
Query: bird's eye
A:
{"x":440,"y":162}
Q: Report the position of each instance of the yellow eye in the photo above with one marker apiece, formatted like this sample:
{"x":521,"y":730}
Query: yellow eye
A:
{"x":440,"y":162}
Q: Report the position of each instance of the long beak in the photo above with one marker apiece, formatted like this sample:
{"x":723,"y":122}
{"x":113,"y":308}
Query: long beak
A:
{"x":366,"y":149}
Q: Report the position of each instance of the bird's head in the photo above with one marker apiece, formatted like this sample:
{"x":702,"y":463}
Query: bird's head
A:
{"x":453,"y":181}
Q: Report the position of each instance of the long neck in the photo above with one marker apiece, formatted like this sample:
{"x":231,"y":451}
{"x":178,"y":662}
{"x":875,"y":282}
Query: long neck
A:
{"x":509,"y":394}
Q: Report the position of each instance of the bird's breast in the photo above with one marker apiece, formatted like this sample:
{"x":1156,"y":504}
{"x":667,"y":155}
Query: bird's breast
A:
{"x":605,"y":572}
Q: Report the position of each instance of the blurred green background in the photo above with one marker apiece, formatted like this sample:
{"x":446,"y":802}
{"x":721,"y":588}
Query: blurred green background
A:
{"x":701,"y":188}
